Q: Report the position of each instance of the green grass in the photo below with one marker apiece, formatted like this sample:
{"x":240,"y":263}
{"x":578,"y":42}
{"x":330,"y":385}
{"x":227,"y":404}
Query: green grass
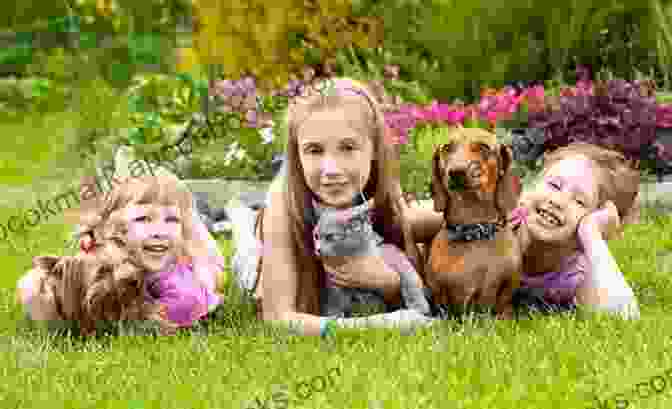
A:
{"x":546,"y":362}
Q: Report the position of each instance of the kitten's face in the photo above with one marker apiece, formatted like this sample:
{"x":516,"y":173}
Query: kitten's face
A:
{"x":344,"y":232}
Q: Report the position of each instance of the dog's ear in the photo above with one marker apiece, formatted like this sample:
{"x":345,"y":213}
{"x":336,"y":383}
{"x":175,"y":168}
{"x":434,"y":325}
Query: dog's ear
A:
{"x":508,"y":190}
{"x":45,"y":262}
{"x":439,"y":194}
{"x":72,"y":287}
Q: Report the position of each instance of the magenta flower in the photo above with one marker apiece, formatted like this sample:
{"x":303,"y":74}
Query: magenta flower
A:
{"x":664,"y":116}
{"x":401,"y":122}
{"x":455,"y":116}
{"x":535,"y":98}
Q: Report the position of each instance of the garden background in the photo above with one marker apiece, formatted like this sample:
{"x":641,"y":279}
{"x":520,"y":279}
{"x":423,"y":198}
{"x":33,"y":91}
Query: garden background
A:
{"x":80,"y":78}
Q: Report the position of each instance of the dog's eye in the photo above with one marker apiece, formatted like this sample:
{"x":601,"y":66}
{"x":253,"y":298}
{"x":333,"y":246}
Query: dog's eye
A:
{"x":448,"y":147}
{"x":485,"y":149}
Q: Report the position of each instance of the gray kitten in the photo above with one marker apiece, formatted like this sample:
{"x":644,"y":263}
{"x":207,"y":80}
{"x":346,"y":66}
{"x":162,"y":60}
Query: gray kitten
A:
{"x":343,"y":233}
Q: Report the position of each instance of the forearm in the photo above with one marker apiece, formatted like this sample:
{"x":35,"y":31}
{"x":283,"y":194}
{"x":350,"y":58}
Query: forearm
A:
{"x":307,"y":324}
{"x":604,"y":286}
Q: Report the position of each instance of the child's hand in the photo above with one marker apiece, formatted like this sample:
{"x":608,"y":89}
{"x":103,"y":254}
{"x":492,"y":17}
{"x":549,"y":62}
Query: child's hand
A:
{"x":360,"y":272}
{"x":603,"y":221}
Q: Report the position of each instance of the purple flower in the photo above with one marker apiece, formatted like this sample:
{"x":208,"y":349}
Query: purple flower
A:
{"x":251,"y":118}
{"x":616,"y":115}
{"x":225,"y":88}
{"x":248,"y":85}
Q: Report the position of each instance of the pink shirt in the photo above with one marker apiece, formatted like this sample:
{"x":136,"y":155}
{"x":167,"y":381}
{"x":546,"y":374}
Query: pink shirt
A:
{"x":181,"y":293}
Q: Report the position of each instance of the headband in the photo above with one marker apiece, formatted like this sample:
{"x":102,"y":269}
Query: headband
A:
{"x":339,"y":87}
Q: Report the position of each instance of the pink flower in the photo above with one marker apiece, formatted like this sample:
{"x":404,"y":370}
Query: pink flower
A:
{"x":535,"y":98}
{"x":664,"y":116}
{"x":492,"y":116}
{"x":509,"y":92}
{"x":583,"y":88}
{"x":399,"y":123}
{"x":455,"y":116}
{"x":519,"y":214}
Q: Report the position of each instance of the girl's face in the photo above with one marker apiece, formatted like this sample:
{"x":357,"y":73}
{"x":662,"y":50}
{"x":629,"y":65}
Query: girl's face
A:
{"x":336,"y":156}
{"x":154,"y":234}
{"x":567,"y":192}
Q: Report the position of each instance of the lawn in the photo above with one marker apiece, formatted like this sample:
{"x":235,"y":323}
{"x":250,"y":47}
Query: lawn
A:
{"x":545,"y":362}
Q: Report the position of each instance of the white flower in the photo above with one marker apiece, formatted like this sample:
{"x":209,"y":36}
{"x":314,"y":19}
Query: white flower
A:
{"x":235,"y":151}
{"x":267,"y":135}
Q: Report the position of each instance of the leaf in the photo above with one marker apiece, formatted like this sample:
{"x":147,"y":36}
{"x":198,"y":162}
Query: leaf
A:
{"x":137,"y":136}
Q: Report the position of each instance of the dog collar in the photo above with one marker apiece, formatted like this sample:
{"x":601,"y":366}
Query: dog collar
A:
{"x":472,"y":232}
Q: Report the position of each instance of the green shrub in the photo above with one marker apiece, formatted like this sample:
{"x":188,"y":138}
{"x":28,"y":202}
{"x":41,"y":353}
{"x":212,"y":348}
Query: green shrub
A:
{"x":490,"y":42}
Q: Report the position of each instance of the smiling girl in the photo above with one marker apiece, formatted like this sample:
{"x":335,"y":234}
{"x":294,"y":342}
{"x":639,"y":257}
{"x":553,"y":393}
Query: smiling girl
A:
{"x":335,"y":152}
{"x":150,"y":220}
{"x":585,"y":195}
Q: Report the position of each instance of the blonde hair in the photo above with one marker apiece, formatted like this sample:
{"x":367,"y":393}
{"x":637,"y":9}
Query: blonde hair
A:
{"x":166,"y":190}
{"x":108,"y":284}
{"x":382,"y":184}
{"x":620,"y":177}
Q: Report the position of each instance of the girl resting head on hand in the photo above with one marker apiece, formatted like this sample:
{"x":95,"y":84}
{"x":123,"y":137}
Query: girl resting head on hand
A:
{"x":585,"y":194}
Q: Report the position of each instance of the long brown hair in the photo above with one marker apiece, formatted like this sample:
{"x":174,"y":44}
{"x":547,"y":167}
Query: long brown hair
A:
{"x":383,"y":184}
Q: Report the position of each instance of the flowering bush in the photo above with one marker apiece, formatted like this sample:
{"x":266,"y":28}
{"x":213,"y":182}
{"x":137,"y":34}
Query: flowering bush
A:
{"x":616,"y":113}
{"x":613,"y":113}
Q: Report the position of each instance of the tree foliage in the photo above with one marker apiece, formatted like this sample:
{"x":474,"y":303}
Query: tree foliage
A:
{"x":273,"y":40}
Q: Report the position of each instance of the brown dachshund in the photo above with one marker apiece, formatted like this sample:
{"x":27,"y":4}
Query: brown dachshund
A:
{"x":475,"y":258}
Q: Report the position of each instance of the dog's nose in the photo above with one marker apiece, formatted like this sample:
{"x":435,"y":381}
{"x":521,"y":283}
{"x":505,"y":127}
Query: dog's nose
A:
{"x":459,"y":174}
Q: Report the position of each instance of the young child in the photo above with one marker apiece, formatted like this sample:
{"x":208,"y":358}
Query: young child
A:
{"x":335,"y":151}
{"x":149,"y":222}
{"x":584,"y":195}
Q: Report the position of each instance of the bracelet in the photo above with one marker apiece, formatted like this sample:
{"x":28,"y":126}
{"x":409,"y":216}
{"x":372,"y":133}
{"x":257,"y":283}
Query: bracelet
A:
{"x":327,"y":327}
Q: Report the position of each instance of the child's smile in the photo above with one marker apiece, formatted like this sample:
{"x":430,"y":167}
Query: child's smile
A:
{"x":153,"y":234}
{"x":567,"y":192}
